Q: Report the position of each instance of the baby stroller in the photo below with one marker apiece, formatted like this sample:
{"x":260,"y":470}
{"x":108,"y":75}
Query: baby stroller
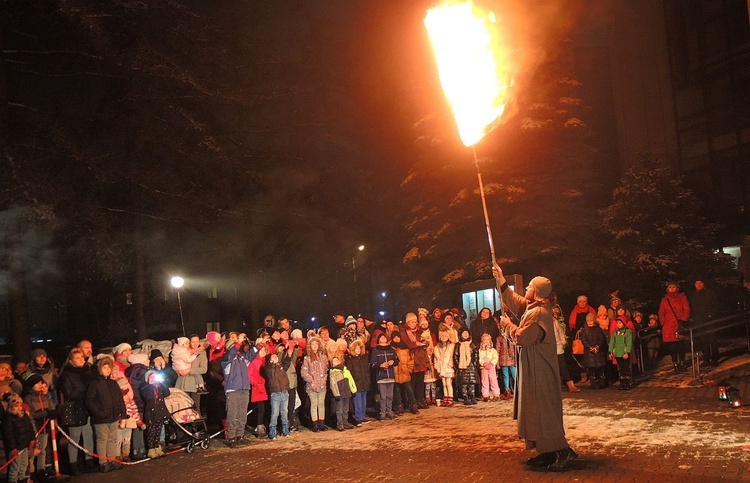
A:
{"x":185,"y":429}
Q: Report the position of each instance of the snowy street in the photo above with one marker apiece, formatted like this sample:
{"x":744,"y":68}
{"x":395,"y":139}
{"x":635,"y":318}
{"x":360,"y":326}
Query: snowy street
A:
{"x":663,"y":430}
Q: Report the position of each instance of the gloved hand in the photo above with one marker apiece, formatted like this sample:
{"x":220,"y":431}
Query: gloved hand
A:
{"x":498,"y":273}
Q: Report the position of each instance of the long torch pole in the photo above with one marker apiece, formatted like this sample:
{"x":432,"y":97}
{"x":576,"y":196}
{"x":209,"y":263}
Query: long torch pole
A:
{"x":484,"y":206}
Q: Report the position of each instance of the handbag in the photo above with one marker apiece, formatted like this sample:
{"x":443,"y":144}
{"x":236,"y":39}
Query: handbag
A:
{"x":577,"y":346}
{"x":72,"y":414}
{"x":682,"y":325}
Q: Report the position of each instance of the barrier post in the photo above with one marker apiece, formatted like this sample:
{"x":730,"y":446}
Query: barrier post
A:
{"x":53,"y":435}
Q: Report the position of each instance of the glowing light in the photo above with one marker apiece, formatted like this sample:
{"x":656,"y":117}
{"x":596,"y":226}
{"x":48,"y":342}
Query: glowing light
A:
{"x":473,"y":61}
{"x":177,"y":282}
{"x":361,"y":247}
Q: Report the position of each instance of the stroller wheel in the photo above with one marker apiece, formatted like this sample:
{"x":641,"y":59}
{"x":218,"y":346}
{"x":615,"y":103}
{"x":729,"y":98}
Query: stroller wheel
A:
{"x":190,"y":447}
{"x":205,"y":444}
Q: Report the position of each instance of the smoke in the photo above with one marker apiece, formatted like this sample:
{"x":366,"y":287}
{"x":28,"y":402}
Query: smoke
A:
{"x":540,"y":31}
{"x":26,"y":243}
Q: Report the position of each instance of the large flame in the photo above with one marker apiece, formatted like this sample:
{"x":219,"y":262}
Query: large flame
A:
{"x":473,"y":63}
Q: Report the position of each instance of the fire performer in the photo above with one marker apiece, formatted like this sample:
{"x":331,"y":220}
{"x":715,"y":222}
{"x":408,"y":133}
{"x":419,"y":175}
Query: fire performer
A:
{"x":538,"y":398}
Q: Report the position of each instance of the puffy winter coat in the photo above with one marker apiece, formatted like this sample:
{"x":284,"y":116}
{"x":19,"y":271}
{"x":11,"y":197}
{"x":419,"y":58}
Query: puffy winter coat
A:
{"x":104,"y":401}
{"x":153,"y":396}
{"x":257,"y":381}
{"x":594,"y":337}
{"x":359,"y":366}
{"x":379,"y":355}
{"x":342,"y":382}
{"x":278,"y":380}
{"x":18,"y":431}
{"x":315,"y":372}
{"x":444,"y":359}
{"x":405,"y":365}
{"x":467,"y":375}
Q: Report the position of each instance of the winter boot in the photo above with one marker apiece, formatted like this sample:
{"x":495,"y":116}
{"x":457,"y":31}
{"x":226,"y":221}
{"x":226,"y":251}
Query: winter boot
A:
{"x":260,"y":431}
{"x":285,"y":430}
{"x":400,"y":410}
{"x":315,"y":427}
{"x":572,"y":387}
{"x":272,"y":432}
{"x":323,"y":426}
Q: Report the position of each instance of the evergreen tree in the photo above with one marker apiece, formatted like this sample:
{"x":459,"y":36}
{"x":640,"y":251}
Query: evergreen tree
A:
{"x":542,"y":179}
{"x":654,"y":232}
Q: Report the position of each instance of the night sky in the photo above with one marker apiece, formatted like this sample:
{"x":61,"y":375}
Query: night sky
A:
{"x":247,"y":145}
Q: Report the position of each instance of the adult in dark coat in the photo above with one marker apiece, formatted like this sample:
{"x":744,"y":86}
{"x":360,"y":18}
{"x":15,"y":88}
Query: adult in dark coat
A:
{"x":338,"y":324}
{"x":73,"y":382}
{"x":484,"y":324}
{"x":595,"y":350}
{"x":538,"y":400}
{"x":703,"y":308}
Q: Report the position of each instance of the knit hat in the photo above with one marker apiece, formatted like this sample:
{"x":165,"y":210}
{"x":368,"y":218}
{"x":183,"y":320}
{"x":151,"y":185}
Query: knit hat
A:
{"x":214,"y":340}
{"x":542,"y":287}
{"x":422,"y":310}
{"x":183,"y":341}
{"x":120,"y":348}
{"x":139,"y":358}
{"x":437,"y":309}
{"x":32,"y":379}
{"x":38,"y":352}
{"x":410,"y":316}
{"x":296,"y":334}
{"x":156,"y":353}
{"x":350,"y":320}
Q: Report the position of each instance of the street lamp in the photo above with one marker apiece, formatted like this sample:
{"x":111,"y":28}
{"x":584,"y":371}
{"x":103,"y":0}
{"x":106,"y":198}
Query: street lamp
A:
{"x":178,"y":282}
{"x":354,"y":274}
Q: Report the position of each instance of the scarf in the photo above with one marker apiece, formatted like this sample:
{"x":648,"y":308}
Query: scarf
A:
{"x":464,"y":354}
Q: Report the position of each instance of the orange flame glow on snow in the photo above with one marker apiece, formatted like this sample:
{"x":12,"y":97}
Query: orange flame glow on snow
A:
{"x":473,"y":64}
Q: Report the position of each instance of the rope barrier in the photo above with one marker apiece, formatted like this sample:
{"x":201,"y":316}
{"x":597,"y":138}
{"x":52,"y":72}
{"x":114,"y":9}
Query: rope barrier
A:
{"x":114,"y":460}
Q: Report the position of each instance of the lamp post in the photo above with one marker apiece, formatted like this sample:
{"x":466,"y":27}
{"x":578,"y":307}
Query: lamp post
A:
{"x":178,"y":282}
{"x":354,"y":275}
